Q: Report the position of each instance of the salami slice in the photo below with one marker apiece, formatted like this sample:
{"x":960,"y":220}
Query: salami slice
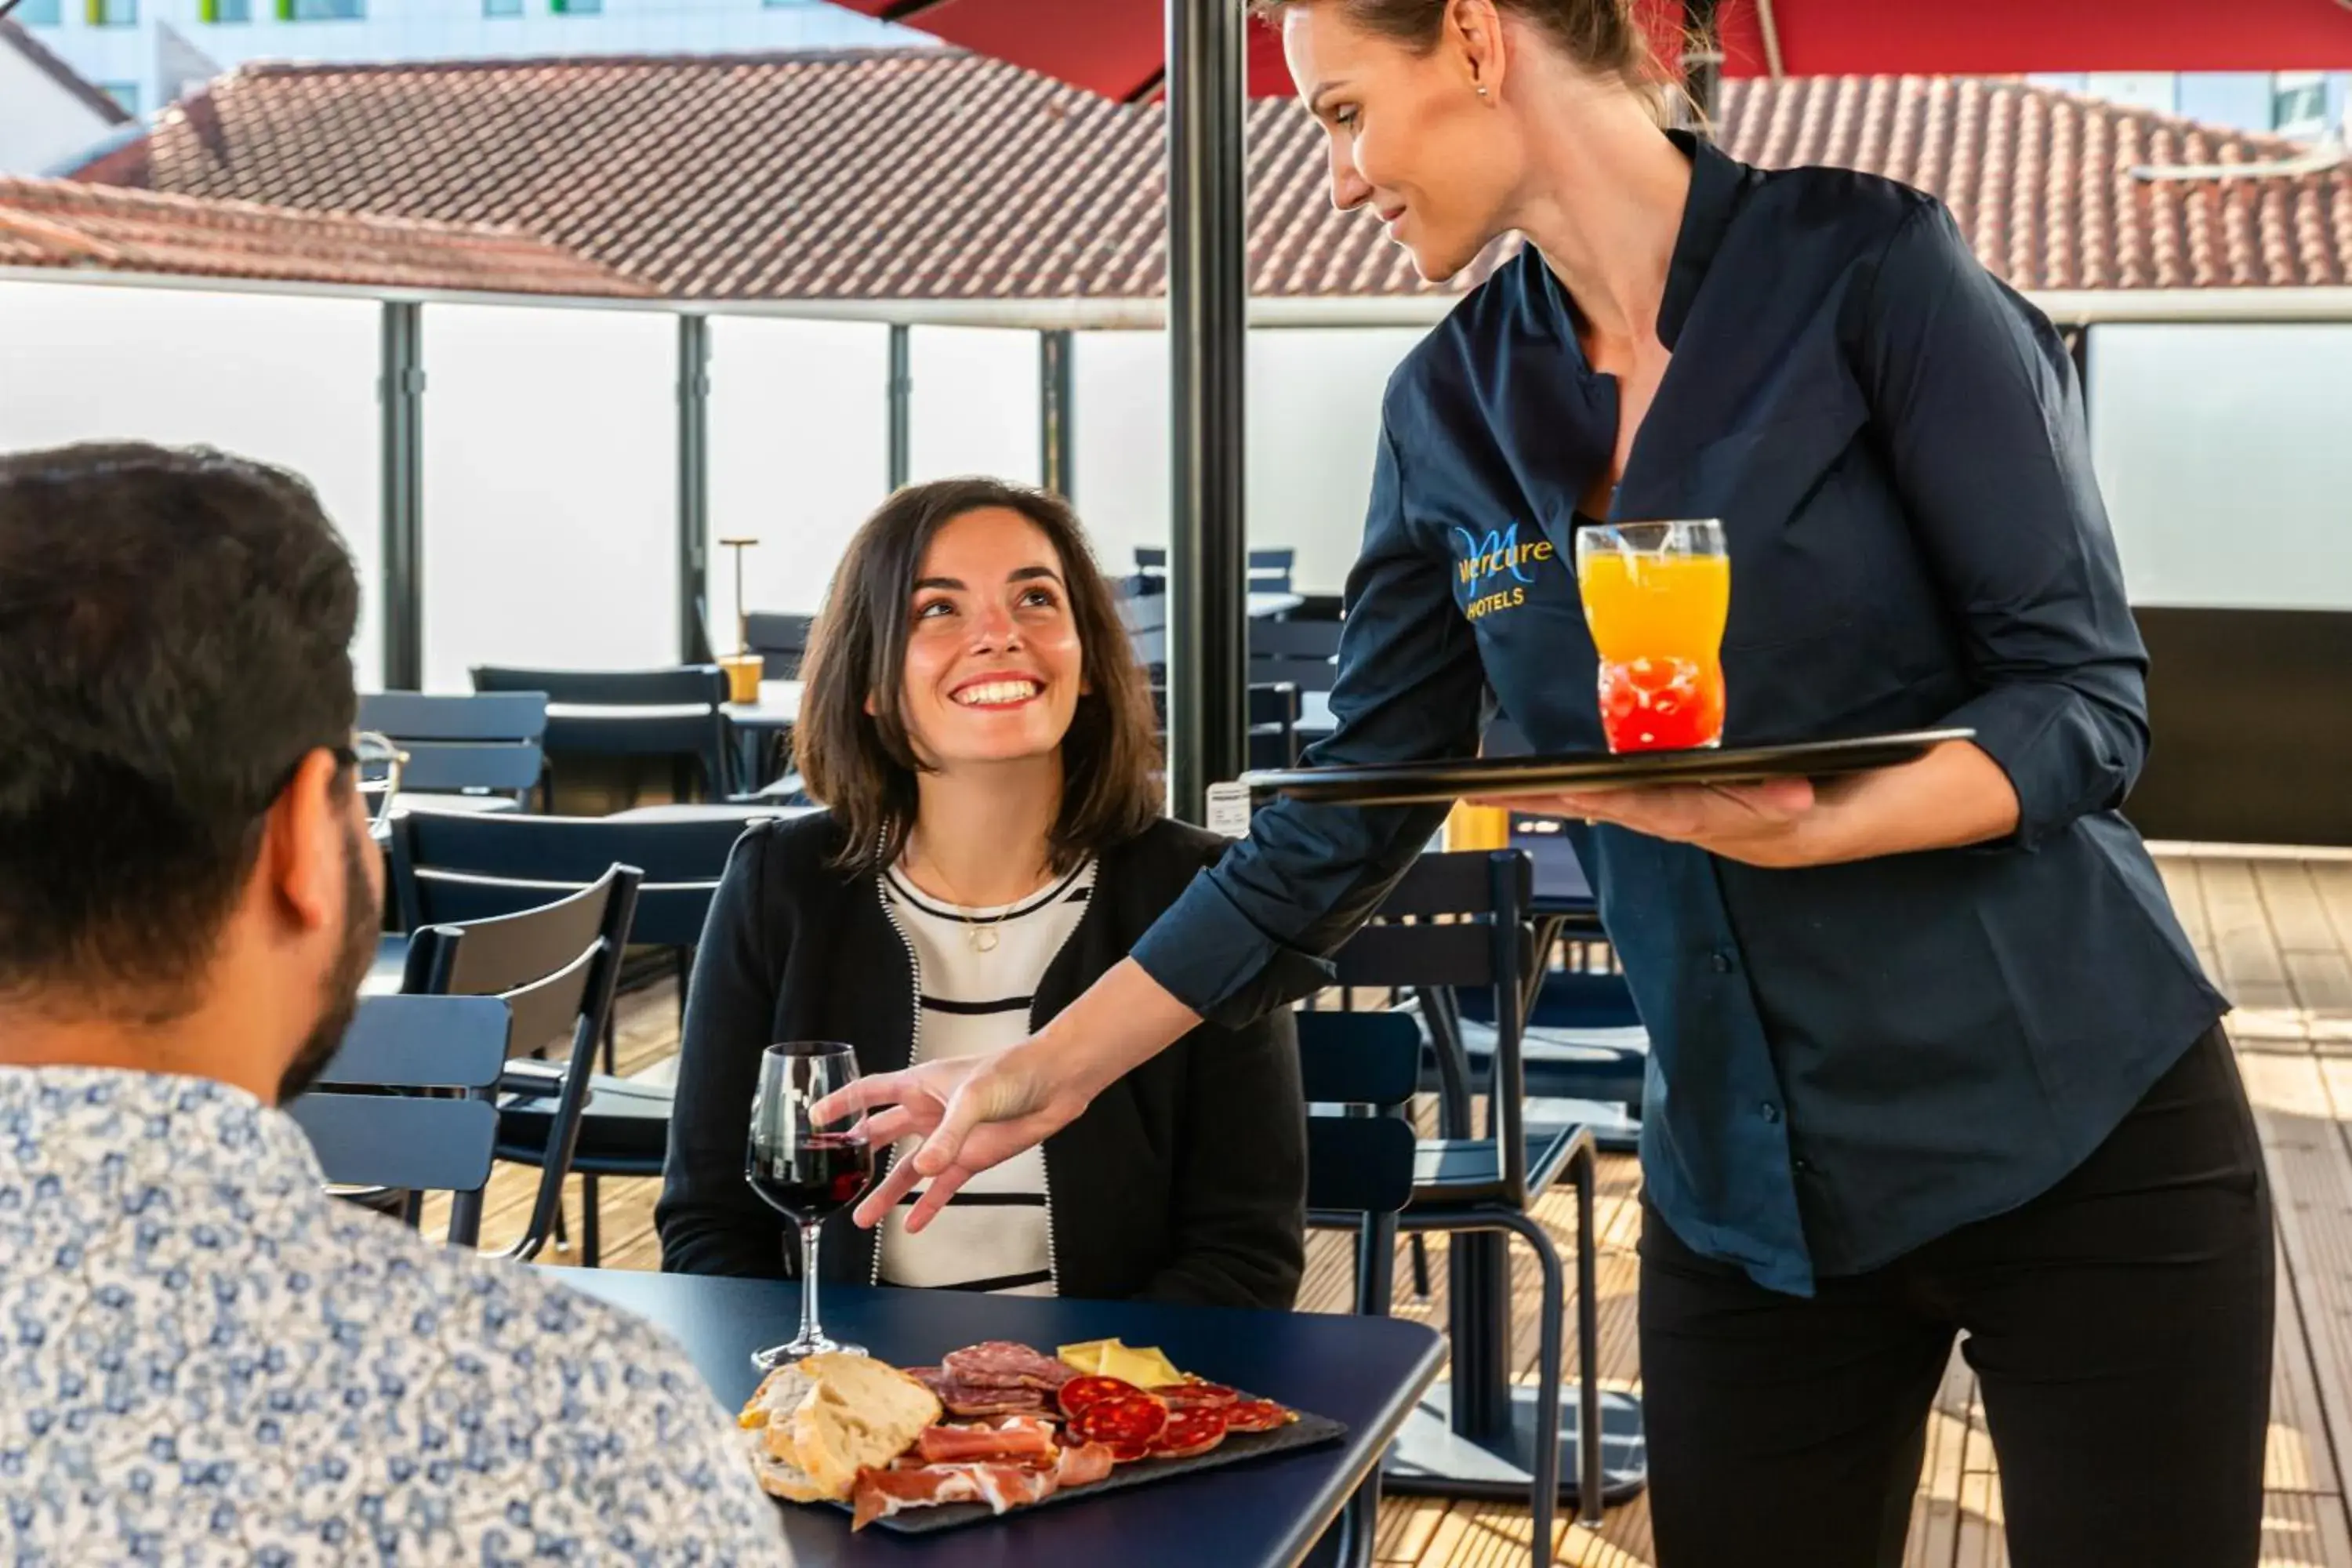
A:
{"x":1188,"y":1432}
{"x":1256,"y":1416}
{"x":1184,"y":1396}
{"x":1082,"y":1393}
{"x":1126,"y":1425}
{"x":1000,"y":1363}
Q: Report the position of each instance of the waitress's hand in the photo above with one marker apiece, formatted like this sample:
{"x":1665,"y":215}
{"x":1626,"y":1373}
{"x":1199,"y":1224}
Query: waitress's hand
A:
{"x":973,"y":1113}
{"x":1761,"y":824}
{"x":1955,"y":795}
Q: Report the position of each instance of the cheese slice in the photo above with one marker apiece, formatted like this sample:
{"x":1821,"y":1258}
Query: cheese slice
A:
{"x":1145,"y":1368}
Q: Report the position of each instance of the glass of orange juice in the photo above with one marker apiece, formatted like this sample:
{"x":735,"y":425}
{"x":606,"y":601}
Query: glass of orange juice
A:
{"x":1656,"y":596}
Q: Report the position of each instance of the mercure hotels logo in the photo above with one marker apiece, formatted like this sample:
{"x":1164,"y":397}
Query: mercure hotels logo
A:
{"x":1494,"y":571}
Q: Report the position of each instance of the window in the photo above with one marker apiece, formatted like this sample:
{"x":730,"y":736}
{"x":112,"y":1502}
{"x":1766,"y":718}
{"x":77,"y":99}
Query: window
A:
{"x":322,"y":10}
{"x":112,"y":13}
{"x":40,"y":13}
{"x":125,"y":93}
{"x":501,"y":8}
{"x":578,"y":8}
{"x":2299,"y":103}
{"x":229,"y":10}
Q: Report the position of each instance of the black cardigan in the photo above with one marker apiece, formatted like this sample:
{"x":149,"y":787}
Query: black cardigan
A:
{"x":1185,"y":1180}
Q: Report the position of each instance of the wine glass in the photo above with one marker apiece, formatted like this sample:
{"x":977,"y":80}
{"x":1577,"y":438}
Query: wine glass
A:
{"x":805,"y":1172}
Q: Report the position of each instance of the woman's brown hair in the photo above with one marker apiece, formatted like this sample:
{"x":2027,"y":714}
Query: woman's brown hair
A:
{"x":863,"y":765}
{"x":1604,"y":36}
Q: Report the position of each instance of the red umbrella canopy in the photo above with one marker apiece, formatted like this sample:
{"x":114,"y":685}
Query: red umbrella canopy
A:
{"x":1114,"y":47}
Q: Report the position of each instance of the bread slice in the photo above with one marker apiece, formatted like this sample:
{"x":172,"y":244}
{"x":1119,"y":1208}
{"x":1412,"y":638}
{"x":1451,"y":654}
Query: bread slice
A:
{"x":767,"y":1422}
{"x":859,"y":1412}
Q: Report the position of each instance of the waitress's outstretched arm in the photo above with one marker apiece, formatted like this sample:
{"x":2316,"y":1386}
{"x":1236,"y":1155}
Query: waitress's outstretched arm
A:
{"x":1254,"y":932}
{"x":1974,"y":402}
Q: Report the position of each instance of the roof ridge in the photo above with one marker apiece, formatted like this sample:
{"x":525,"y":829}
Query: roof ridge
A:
{"x":136,"y":196}
{"x":723,"y":58}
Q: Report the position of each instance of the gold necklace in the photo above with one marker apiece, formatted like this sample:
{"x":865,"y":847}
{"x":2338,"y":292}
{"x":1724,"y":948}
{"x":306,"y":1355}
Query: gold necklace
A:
{"x":979,"y":934}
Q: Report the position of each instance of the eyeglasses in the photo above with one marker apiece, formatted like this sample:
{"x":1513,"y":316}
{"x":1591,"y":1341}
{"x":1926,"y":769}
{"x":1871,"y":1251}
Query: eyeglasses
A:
{"x":376,"y":764}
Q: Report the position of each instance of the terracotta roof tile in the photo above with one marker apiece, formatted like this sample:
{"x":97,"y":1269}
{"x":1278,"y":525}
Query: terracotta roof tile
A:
{"x":931,"y":173}
{"x":61,"y":223}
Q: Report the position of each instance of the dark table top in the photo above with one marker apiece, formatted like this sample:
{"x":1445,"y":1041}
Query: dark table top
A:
{"x":1365,"y":1372}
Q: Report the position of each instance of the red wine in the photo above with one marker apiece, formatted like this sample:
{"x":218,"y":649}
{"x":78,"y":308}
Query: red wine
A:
{"x":821,"y":1175}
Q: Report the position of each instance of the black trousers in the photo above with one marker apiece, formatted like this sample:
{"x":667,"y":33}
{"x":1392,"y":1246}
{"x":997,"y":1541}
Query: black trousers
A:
{"x":2120,"y":1330}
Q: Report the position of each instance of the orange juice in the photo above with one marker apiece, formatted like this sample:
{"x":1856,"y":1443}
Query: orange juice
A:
{"x":1657,"y":620}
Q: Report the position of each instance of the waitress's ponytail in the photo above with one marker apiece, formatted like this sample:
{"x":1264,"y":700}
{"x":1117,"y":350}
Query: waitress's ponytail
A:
{"x":1603,"y":37}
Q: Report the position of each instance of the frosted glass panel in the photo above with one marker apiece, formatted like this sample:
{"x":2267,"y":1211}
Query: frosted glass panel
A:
{"x":975,"y":403}
{"x":1119,"y":442}
{"x":550,"y":489}
{"x":1314,"y":428}
{"x":287,"y":381}
{"x":2221,"y":453}
{"x":799,"y":453}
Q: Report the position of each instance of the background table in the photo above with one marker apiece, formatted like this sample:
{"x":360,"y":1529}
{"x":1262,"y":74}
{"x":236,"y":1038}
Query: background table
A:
{"x":1365,"y":1372}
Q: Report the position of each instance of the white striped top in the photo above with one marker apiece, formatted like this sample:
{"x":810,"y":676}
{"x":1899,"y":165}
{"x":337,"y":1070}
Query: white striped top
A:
{"x":993,"y":1235}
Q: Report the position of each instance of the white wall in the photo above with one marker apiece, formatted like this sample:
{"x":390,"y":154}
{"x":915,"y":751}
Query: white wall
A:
{"x":973,"y":406}
{"x":1312,"y":404}
{"x":287,"y":381}
{"x":550,"y":489}
{"x":41,"y":124}
{"x":799,"y":453}
{"x":2223,"y":456}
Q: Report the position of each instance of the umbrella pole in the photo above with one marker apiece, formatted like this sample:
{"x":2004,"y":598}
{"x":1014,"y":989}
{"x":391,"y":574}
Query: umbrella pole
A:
{"x":1208,"y":289}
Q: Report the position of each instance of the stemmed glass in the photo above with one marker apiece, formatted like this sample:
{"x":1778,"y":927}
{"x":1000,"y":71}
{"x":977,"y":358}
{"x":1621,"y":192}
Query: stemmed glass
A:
{"x":805,"y":1172}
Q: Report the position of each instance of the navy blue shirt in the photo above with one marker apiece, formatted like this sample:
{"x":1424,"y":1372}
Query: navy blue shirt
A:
{"x":1846,"y":1061}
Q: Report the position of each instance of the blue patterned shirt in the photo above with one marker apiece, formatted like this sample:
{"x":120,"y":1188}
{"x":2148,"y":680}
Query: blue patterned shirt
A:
{"x":204,"y":1359}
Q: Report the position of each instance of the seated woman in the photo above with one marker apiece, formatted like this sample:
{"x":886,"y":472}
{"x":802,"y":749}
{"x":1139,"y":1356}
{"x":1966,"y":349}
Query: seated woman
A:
{"x":977,"y":724}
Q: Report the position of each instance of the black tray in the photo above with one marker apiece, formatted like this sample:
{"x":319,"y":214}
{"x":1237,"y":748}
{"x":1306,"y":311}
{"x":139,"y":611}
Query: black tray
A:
{"x":1419,"y":783}
{"x":1240,"y":1447}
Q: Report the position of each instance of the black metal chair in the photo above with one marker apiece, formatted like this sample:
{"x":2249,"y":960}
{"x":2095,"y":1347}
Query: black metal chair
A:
{"x":557,"y":967}
{"x":456,"y":869}
{"x":1461,"y":920}
{"x":1302,"y":653}
{"x":1358,"y":1071}
{"x":781,"y":641}
{"x":479,"y":753}
{"x":1273,"y":719}
{"x":675,"y":713}
{"x":1269,"y":569}
{"x":391,"y":1142}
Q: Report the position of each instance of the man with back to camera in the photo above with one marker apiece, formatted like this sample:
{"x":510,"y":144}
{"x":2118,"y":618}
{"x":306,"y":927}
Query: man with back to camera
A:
{"x":203,"y":1357}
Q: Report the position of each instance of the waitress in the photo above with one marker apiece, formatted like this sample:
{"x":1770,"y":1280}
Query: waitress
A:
{"x":1930,"y":1054}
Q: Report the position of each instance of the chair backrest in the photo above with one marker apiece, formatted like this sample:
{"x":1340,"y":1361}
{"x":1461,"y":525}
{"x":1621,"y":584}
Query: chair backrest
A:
{"x":676,"y":713}
{"x":438,"y":1143}
{"x":1269,"y":569}
{"x":1302,"y":653}
{"x":1459,"y":921}
{"x":556,"y":968}
{"x":1366,"y":1066}
{"x":1273,"y":720}
{"x":456,"y":743}
{"x":781,"y":641}
{"x":449,"y":869}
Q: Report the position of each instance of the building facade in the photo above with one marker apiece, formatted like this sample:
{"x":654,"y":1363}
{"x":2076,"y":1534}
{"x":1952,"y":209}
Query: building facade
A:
{"x":2305,"y":105}
{"x":146,"y":53}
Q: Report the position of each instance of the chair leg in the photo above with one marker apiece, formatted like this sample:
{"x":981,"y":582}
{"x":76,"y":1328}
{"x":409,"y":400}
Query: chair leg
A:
{"x":466,"y":1218}
{"x":1544,"y":1493}
{"x":685,"y":976}
{"x":562,"y":1236}
{"x":590,"y":1258}
{"x":1420,"y":1267}
{"x":1376,"y":1265}
{"x":612,"y":1045}
{"x":1588,"y":1341}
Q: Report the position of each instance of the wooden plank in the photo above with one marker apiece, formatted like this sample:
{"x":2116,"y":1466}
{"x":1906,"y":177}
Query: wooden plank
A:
{"x":2332,"y":881}
{"x":2311,"y":1173}
{"x":2291,"y":900}
{"x":2252,"y":969}
{"x":2180,"y":882}
{"x":1984,"y":1539}
{"x":2300,"y":1456}
{"x":2303,"y":1530}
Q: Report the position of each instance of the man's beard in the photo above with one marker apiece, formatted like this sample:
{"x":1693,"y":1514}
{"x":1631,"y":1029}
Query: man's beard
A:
{"x":339,"y":991}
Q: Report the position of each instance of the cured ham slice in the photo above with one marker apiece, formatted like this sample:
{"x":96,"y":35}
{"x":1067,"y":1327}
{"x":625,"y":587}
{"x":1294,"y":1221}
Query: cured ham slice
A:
{"x":1016,"y":1439}
{"x":1084,"y":1465}
{"x":881,"y":1493}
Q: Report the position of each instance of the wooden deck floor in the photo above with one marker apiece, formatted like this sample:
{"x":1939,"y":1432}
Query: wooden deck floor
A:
{"x":2277,"y":933}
